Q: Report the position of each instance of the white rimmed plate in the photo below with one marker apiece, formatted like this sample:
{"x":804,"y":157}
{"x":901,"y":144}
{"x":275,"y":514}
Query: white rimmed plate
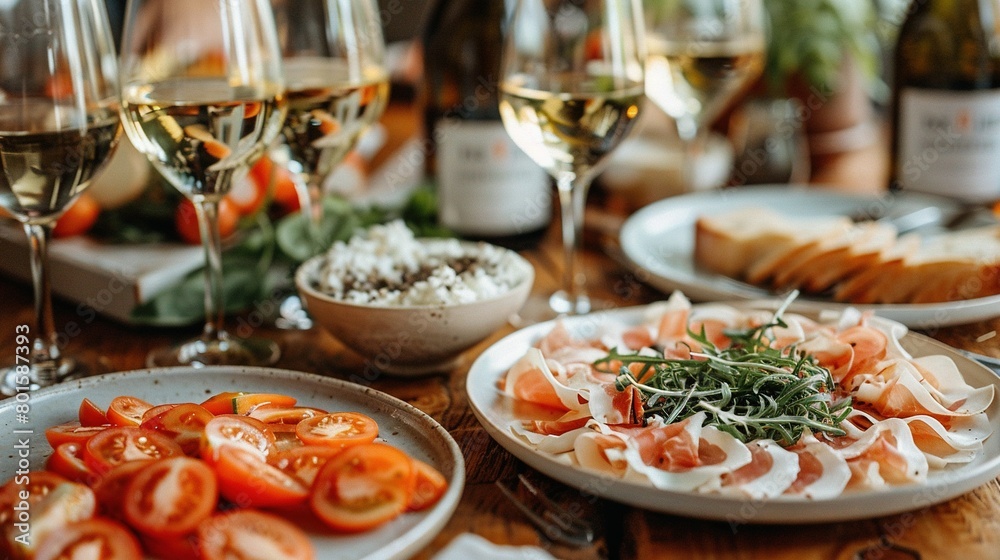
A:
{"x":659,"y":241}
{"x":496,"y":412}
{"x":401,"y":424}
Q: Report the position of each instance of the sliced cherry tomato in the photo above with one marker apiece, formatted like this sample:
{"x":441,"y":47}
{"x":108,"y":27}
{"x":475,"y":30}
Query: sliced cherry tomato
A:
{"x":110,"y":489}
{"x":91,"y":415}
{"x":127,"y":411}
{"x":238,"y":431}
{"x":71,"y":432}
{"x":429,"y":487}
{"x":247,"y":534}
{"x":155,"y":411}
{"x":273,"y":414}
{"x":304,"y":462}
{"x":66,"y":503}
{"x":363,"y":487}
{"x":186,"y":220}
{"x":93,"y":538}
{"x":37,"y":485}
{"x":118,"y":445}
{"x":338,"y":429}
{"x":67,"y":461}
{"x":185,"y":423}
{"x":78,"y":218}
{"x":247,"y":481}
{"x":170,"y":498}
{"x":171,"y":548}
{"x":243,"y":403}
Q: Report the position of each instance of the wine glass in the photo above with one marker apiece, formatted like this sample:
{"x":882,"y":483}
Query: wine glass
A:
{"x":337,"y":86}
{"x":571,"y":88}
{"x":58,"y":124}
{"x":702,"y":55}
{"x":202,"y":94}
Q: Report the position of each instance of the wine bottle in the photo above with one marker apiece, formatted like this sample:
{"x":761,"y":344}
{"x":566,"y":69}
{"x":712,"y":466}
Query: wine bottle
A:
{"x":946,"y":100}
{"x":488,"y":189}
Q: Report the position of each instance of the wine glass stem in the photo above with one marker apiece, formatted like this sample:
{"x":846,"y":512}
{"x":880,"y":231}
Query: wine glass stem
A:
{"x":208,"y":222}
{"x":45,"y":354}
{"x":572,"y":195}
{"x":310,"y":193}
{"x":689,"y":132}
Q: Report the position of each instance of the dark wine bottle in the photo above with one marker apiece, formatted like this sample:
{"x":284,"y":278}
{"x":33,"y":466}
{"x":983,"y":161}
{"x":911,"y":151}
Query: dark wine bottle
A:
{"x":946,"y":100}
{"x":488,"y":189}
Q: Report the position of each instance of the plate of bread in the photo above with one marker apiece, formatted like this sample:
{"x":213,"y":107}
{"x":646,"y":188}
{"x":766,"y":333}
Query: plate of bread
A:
{"x":837,"y":249}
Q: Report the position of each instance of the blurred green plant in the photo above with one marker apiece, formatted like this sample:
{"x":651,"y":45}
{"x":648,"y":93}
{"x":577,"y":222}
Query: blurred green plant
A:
{"x":261,"y":259}
{"x":810,"y":38}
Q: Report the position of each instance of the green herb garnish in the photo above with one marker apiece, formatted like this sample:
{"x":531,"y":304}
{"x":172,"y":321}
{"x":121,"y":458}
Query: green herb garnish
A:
{"x":749,"y":389}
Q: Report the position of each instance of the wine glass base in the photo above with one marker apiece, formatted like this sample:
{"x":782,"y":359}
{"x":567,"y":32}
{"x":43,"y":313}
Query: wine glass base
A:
{"x":539,"y":309}
{"x":225,"y":351}
{"x":69,"y":369}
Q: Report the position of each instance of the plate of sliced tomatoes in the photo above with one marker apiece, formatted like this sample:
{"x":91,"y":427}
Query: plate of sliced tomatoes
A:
{"x":224,"y":462}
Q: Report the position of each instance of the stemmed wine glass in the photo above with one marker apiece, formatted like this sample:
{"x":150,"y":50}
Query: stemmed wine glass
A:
{"x":338,"y":86}
{"x":202,"y":94}
{"x":702,"y":55}
{"x":570,"y":90}
{"x":58,"y":124}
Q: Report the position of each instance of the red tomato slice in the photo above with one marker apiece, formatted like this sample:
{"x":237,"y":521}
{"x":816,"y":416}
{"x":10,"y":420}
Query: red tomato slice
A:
{"x":273,"y":414}
{"x":91,"y":415}
{"x":339,"y":429}
{"x":67,"y":461}
{"x":110,"y":489}
{"x":37,"y":484}
{"x":184,"y":423}
{"x":127,"y":411}
{"x":93,"y":538}
{"x":115,"y":446}
{"x":247,"y":481}
{"x":363,"y":487}
{"x":170,"y":498}
{"x":183,"y":547}
{"x":247,"y":534}
{"x":429,"y":487}
{"x":155,"y":411}
{"x":71,"y":432}
{"x":304,"y":462}
{"x":65,"y":503}
{"x":238,"y":431}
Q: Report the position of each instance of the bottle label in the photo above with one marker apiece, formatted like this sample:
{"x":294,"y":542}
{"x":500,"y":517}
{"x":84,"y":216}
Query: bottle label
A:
{"x":486,"y":185}
{"x":949,"y":143}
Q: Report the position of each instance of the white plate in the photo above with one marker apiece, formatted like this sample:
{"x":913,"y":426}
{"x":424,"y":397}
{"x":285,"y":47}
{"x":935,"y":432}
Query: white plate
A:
{"x":399,"y":423}
{"x":496,"y":412}
{"x":659,"y":242}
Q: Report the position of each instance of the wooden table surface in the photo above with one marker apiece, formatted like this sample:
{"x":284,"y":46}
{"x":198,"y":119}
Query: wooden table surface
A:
{"x":967,"y":527}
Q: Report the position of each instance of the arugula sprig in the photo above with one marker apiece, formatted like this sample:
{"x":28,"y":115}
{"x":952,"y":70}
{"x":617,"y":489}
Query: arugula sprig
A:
{"x":748,"y":389}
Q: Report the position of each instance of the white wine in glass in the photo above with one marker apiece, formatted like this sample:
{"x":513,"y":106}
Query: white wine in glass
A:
{"x":337,"y":86}
{"x":571,"y":88}
{"x":58,"y":125}
{"x":202,"y":95}
{"x":701,"y":55}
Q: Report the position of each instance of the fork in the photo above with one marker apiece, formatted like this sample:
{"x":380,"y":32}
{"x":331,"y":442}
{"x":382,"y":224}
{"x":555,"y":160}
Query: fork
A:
{"x":548,"y":516}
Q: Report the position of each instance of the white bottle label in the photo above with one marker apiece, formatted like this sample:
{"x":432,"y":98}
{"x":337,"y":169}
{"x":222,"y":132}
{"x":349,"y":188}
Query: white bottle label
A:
{"x":949,"y":143}
{"x":486,"y":185}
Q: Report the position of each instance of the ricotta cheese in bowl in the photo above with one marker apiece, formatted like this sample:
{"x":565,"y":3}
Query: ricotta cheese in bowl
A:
{"x":412,"y":306}
{"x":389,"y":266}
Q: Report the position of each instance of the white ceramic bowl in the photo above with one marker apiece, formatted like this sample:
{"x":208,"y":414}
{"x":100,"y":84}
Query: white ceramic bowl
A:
{"x":411,"y":340}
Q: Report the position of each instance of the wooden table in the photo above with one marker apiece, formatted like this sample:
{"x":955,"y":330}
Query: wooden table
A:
{"x":964,"y":528}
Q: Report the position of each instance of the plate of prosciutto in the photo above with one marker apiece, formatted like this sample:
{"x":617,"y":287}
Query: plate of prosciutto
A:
{"x":745,"y":413}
